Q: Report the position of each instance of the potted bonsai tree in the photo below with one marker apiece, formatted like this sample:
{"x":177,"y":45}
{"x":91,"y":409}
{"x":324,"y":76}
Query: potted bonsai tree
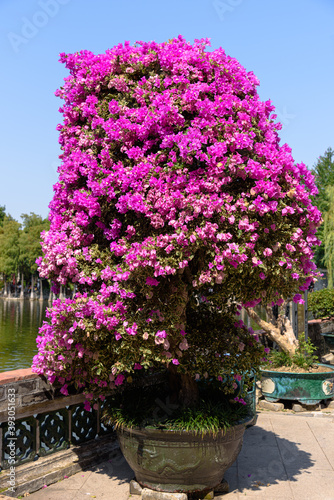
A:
{"x":175,"y":207}
{"x":292,"y":371}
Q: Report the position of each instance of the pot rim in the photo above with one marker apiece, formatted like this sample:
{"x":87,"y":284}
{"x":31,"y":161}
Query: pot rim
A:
{"x":162,"y":432}
{"x":300,"y":374}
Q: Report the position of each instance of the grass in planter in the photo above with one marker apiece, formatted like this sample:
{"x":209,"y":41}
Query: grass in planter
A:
{"x":150,"y":407}
{"x":302,"y":358}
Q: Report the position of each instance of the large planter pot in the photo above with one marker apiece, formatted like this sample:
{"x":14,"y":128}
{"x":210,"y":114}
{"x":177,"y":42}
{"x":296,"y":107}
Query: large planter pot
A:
{"x":180,"y":461}
{"x":308,"y":388}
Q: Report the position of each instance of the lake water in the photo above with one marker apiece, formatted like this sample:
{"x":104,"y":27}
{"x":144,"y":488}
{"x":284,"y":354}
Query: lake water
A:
{"x":19,"y":324}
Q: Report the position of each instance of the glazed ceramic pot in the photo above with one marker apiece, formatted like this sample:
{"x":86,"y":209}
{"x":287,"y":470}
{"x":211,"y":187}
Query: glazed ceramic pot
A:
{"x":180,"y":461}
{"x":307,"y":388}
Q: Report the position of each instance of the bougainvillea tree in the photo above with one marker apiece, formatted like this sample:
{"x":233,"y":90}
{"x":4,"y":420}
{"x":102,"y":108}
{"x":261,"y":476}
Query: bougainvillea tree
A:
{"x":175,"y":207}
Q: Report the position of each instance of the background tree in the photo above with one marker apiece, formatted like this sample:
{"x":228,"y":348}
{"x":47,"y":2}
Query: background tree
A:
{"x":29,"y":242}
{"x":323,"y":171}
{"x":2,"y":214}
{"x":328,"y":236}
{"x":9,"y":246}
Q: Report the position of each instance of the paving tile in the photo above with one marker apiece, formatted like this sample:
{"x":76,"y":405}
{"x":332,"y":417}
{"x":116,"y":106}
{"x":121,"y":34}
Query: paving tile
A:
{"x":298,"y":445}
{"x":231,"y":476}
{"x":263,"y":420}
{"x":53,"y":492}
{"x":260,"y":436}
{"x":318,"y":485}
{"x":323,"y":432}
{"x":278,"y":491}
{"x":76,"y":481}
{"x":108,"y":481}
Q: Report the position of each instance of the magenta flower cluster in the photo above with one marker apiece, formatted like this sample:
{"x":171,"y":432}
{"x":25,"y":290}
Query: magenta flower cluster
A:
{"x":172,"y":184}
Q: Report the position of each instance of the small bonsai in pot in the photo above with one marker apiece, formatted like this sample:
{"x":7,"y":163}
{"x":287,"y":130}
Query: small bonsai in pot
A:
{"x":175,"y":207}
{"x":292,"y":370}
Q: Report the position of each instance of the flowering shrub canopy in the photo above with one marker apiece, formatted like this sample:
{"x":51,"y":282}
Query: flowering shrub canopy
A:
{"x":174,"y":201}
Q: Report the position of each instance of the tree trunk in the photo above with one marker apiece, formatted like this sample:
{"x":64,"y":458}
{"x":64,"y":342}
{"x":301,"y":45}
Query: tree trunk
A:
{"x":22,"y":287}
{"x":183,"y":389}
{"x":32,"y":291}
{"x":50,"y":292}
{"x":189,"y":391}
{"x":41,"y":290}
{"x":286,"y":340}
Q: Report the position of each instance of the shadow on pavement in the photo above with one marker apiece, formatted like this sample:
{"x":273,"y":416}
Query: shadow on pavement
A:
{"x":266,"y":459}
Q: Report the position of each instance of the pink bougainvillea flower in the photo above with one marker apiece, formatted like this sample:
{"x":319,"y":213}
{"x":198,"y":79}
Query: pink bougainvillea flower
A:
{"x":152,"y":281}
{"x":171,"y":185}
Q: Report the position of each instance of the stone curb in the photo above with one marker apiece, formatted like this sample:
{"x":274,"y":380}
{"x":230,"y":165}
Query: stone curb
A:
{"x":16,"y":375}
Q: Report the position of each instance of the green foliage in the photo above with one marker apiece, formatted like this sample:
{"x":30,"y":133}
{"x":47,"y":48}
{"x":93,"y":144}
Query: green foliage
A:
{"x":2,"y":214}
{"x":30,"y":237}
{"x":9,"y":246}
{"x":323,"y":171}
{"x":321,"y":303}
{"x":279,"y":358}
{"x":20,"y":243}
{"x":303,"y":357}
{"x":328,"y":236}
{"x":150,"y":407}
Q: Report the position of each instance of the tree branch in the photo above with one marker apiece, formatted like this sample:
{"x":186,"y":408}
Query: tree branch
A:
{"x":287,"y":341}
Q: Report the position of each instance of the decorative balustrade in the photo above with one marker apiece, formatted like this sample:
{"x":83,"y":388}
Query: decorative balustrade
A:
{"x":36,"y":420}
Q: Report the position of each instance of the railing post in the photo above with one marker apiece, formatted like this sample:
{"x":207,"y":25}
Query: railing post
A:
{"x":38,"y":437}
{"x":70,"y":425}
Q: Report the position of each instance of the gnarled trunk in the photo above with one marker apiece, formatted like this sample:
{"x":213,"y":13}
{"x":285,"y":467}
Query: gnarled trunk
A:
{"x":281,"y":332}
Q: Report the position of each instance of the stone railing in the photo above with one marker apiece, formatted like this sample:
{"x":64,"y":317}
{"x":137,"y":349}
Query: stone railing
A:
{"x":36,"y":420}
{"x":45,"y":436}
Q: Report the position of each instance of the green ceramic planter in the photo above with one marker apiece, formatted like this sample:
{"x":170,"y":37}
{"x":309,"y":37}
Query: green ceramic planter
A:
{"x":308,"y":388}
{"x":174,"y":461}
{"x":250,"y":399}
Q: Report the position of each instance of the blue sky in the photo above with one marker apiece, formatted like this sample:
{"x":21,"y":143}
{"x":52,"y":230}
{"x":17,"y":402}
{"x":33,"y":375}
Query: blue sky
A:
{"x":288,"y":44}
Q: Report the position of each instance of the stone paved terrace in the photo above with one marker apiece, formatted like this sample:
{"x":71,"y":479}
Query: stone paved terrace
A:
{"x":284,"y":457}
